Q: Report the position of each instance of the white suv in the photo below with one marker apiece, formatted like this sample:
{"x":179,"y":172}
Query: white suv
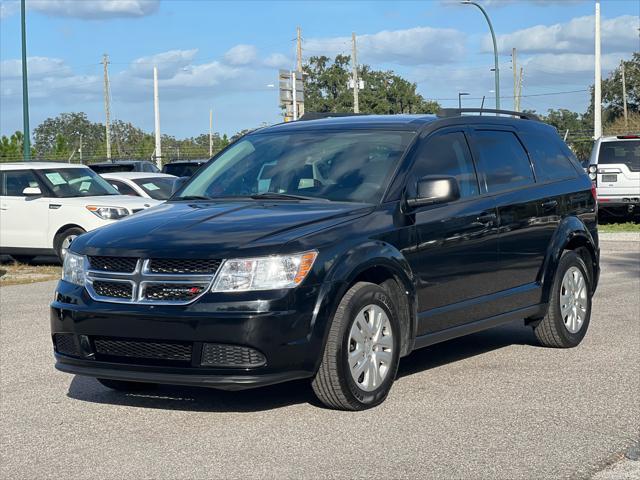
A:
{"x":614,"y":167}
{"x":45,"y":205}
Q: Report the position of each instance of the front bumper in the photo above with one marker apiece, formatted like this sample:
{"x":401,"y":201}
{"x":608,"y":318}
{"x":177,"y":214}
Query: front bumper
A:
{"x":286,"y":326}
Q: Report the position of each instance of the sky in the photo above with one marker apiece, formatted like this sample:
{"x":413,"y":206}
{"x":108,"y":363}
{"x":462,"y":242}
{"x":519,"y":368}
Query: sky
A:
{"x":225,"y":56}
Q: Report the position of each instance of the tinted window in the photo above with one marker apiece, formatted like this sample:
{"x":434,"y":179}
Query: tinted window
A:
{"x":112,"y":167}
{"x":13,"y":183}
{"x":181,"y":169}
{"x":352,"y":166}
{"x":624,"y":151}
{"x":502,"y":162}
{"x":149,"y":167}
{"x":548,"y":157}
{"x":123,"y":188}
{"x":447,"y":154}
{"x":76,"y":182}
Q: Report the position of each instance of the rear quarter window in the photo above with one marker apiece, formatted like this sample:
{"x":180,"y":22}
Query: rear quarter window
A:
{"x":549,"y":158}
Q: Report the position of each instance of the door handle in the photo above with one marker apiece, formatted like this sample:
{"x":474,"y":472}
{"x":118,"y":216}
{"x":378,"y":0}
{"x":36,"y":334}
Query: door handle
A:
{"x":487,"y":218}
{"x":54,"y":206}
{"x":4,"y":207}
{"x":549,"y":204}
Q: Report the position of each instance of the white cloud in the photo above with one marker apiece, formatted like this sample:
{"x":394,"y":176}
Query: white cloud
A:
{"x":413,"y":46}
{"x":168,"y":63}
{"x":37,"y":67}
{"x":577,"y":35}
{"x":241,"y":55}
{"x":87,"y":9}
{"x":277,"y":60}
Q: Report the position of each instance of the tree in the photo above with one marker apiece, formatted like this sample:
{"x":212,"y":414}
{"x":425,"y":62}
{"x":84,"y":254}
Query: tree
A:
{"x":73,"y":127}
{"x":11,"y":147}
{"x":327,"y":89}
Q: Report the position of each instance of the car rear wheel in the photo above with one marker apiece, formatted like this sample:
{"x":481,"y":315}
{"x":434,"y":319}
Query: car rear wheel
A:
{"x":62,"y":241}
{"x":123,"y":386}
{"x":569,"y":313}
{"x":360,"y":359}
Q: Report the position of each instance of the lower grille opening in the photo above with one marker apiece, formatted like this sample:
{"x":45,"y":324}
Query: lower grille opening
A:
{"x":113,"y":289}
{"x":127,"y":350}
{"x":65,"y":344}
{"x":234,"y":356}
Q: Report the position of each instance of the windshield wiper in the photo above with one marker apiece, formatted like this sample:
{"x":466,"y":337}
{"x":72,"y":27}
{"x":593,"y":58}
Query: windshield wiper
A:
{"x":284,"y":196}
{"x":193,"y":197}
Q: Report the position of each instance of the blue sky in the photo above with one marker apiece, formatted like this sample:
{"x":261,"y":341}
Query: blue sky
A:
{"x":223,"y":55}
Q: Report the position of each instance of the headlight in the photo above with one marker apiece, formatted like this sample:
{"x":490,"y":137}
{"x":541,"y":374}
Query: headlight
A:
{"x":73,"y":268}
{"x":108,"y":213}
{"x":263,"y":273}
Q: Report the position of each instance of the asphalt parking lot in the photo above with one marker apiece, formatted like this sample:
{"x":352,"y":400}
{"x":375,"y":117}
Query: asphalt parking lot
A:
{"x":491,"y":405}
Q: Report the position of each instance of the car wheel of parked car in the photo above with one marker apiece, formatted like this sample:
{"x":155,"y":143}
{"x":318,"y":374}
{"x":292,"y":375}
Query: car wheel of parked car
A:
{"x":361,"y":356}
{"x":23,"y":258}
{"x":123,"y":386}
{"x":569,"y":312}
{"x":63,"y":240}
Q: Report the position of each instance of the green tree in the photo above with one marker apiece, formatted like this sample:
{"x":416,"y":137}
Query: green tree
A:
{"x":74,"y":127}
{"x":327,"y":89}
{"x":11,"y":147}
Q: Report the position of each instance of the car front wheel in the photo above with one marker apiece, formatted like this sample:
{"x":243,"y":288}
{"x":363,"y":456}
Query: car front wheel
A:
{"x":360,"y":359}
{"x":62,"y":241}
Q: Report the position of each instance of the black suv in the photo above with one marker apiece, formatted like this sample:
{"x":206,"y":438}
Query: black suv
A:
{"x":329,"y":249}
{"x":124,"y":166}
{"x":183,"y":168}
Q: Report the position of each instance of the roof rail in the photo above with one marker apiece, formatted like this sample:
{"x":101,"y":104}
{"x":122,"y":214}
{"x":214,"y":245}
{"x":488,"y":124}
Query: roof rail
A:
{"x":457,"y":112}
{"x":319,"y":115}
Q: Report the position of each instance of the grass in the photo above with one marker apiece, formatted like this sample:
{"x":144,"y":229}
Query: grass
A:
{"x":14,"y":273}
{"x":619,"y":227}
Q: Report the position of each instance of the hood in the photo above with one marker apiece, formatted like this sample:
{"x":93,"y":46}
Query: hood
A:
{"x":126,"y":201}
{"x":214,"y":229}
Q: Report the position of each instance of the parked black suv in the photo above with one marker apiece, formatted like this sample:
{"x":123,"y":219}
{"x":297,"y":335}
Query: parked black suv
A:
{"x":329,"y":249}
{"x":124,"y":166}
{"x":183,"y":168}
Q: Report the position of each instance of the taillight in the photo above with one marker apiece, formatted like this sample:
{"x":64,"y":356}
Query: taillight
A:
{"x":593,"y":172}
{"x":594,"y":192}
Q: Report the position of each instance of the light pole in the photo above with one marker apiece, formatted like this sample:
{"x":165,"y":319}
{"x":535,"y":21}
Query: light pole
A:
{"x":460,"y":94}
{"x":495,"y":50}
{"x":26,"y":137}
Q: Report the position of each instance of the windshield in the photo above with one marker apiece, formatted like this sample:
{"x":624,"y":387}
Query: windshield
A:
{"x":76,"y":182}
{"x":181,"y":169}
{"x":624,"y":151}
{"x":158,"y":188}
{"x":350,"y":166}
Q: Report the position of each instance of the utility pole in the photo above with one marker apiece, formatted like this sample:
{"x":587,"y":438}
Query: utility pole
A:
{"x":294,"y":94}
{"x":107,"y":101}
{"x":210,"y":133}
{"x":597,"y":93}
{"x":299,"y":64}
{"x":515,"y":79}
{"x":624,"y":97}
{"x":156,"y":110}
{"x":80,"y":149}
{"x":26,"y":135}
{"x":356,"y":81}
{"x":519,"y":89}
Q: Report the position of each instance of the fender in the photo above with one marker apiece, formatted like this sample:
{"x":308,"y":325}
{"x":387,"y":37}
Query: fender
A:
{"x":352,"y":263}
{"x":573,"y":233}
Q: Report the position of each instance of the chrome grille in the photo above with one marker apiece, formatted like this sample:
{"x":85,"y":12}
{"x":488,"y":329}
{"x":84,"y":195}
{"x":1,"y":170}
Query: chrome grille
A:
{"x":170,"y":265}
{"x":156,"y":281}
{"x":113,"y":264}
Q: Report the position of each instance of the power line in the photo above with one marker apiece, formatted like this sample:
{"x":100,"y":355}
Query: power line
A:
{"x":522,"y":96}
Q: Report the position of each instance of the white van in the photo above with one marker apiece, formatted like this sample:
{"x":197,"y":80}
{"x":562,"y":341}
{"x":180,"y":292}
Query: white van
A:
{"x":45,"y":205}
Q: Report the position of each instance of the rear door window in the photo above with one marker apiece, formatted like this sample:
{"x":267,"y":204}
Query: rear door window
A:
{"x":123,"y":188}
{"x":502,"y":162}
{"x":625,"y":152}
{"x":548,"y":157}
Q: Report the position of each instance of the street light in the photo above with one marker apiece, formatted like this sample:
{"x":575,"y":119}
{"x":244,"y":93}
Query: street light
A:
{"x":26,"y":136}
{"x":460,"y":94}
{"x":495,"y":49}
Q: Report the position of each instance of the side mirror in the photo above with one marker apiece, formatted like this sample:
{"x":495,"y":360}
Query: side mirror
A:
{"x":31,"y":192}
{"x":178,"y":184}
{"x":434,"y":189}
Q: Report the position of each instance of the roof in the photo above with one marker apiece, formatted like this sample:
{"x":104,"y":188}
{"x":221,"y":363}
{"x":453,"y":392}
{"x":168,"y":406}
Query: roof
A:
{"x":115,"y":162}
{"x":617,"y":138}
{"x":392,"y":122}
{"x":135,"y":175}
{"x":192,"y":160}
{"x":38,"y":165}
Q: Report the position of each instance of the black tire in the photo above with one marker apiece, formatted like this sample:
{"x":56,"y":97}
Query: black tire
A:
{"x":552,"y":331}
{"x":23,"y":258}
{"x":333,"y":383}
{"x":123,"y":386}
{"x":59,"y":240}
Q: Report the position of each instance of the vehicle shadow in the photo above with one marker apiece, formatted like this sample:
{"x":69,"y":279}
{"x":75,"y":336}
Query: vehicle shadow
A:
{"x":200,"y":399}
